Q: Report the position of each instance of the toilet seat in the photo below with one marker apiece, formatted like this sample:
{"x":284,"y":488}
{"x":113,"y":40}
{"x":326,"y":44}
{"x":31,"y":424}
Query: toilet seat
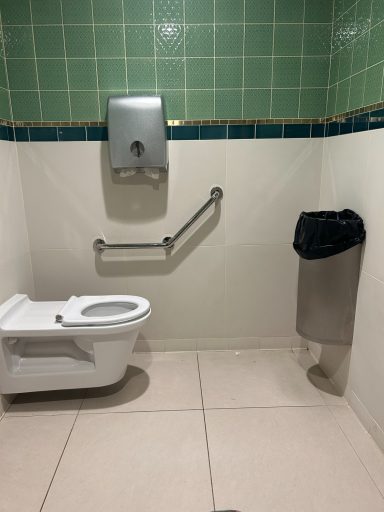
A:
{"x":102,"y":310}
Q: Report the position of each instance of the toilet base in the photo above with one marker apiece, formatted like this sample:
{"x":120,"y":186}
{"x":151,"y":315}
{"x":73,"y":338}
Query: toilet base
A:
{"x":33,"y":364}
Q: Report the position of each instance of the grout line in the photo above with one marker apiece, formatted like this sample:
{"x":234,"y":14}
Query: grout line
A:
{"x":34,"y":53}
{"x":97,"y":71}
{"x":8,"y":90}
{"x":125,"y":48}
{"x":243,"y":82}
{"x":352,"y":445}
{"x":159,"y":24}
{"x":61,"y":456}
{"x":154,"y":43}
{"x":214,"y":58}
{"x":206,"y":433}
{"x":273,"y":51}
{"x":66,"y":60}
{"x":185,"y":65}
{"x":302,"y":60}
{"x":366,"y":64}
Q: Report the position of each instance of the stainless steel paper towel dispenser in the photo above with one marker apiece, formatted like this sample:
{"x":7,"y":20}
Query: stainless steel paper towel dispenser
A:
{"x":137,"y":133}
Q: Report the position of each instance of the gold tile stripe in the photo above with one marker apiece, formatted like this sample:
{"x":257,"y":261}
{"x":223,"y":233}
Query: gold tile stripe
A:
{"x":198,"y":122}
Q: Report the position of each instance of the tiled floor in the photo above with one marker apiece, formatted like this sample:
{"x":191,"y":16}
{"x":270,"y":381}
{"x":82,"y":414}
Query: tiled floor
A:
{"x":255,"y":431}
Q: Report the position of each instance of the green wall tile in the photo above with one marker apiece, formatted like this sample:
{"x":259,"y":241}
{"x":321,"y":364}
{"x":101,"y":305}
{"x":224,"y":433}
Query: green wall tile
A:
{"x":199,"y":11}
{"x":318,"y":11}
{"x":111,"y":74}
{"x":360,"y":53}
{"x":288,"y":39}
{"x":82,"y":74}
{"x":19,"y":42}
{"x":229,"y":11}
{"x":25,"y":105}
{"x":15,"y":12}
{"x":375,"y":52}
{"x":138,"y":11}
{"x":342,"y":95}
{"x":79,"y":41}
{"x":373,"y":84}
{"x":286,"y":72}
{"x":110,"y":11}
{"x":109,"y":41}
{"x":3,"y":77}
{"x":356,"y":97}
{"x":5,"y":112}
{"x":76,"y":11}
{"x":199,"y":40}
{"x":169,"y":11}
{"x":84,"y":105}
{"x":257,"y":103}
{"x":103,"y":99}
{"x":228,"y":104}
{"x":229,"y":73}
{"x":169,"y":40}
{"x":331,"y":103}
{"x":315,"y":72}
{"x":345,"y":64}
{"x":257,"y":72}
{"x":296,"y":51}
{"x":229,"y":40}
{"x":259,"y":11}
{"x":139,"y":40}
{"x":317,"y":39}
{"x":55,"y":105}
{"x":258,"y":40}
{"x":174,"y":103}
{"x":49,"y":41}
{"x":170,"y":73}
{"x":289,"y":12}
{"x":18,"y":69}
{"x":141,"y":74}
{"x":200,"y":73}
{"x":313,"y":102}
{"x":52,"y":74}
{"x":46,"y":13}
{"x":285,"y":102}
{"x":200,"y":104}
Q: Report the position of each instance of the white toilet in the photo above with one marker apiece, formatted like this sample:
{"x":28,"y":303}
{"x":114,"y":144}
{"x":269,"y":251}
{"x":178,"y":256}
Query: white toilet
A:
{"x":84,"y":342}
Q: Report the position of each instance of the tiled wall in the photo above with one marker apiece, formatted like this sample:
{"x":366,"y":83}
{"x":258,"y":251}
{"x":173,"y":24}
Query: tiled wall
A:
{"x":211,"y":59}
{"x":357,"y":62}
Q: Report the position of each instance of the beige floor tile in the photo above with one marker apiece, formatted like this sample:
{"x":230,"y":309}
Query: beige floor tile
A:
{"x":290,"y":459}
{"x":153,"y":382}
{"x":255,"y":378}
{"x":318,"y":378}
{"x":30,"y":449}
{"x":366,"y":448}
{"x":47,"y":403}
{"x":141,"y":462}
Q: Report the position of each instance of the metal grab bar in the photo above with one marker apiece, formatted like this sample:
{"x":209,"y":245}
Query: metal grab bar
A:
{"x":168,"y":242}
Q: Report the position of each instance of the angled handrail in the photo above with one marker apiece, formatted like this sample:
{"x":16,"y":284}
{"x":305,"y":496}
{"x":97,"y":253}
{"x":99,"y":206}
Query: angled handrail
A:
{"x":168,"y":242}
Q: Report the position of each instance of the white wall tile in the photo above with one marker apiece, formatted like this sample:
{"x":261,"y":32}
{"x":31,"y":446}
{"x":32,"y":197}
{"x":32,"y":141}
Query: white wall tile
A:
{"x":261,"y":290}
{"x":80,"y":197}
{"x":269,"y":184}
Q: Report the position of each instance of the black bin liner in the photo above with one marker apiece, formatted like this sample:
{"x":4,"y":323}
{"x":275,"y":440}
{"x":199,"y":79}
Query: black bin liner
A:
{"x":326,"y":233}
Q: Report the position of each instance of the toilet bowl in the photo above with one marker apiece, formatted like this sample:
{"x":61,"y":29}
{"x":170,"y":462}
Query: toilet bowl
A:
{"x":83,"y":342}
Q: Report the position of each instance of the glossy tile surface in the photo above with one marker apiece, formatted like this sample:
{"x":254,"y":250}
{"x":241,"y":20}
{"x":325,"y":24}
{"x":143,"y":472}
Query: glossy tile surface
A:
{"x":30,"y":449}
{"x":255,"y":378}
{"x":153,"y":461}
{"x":153,"y":382}
{"x":291,"y":459}
{"x":147,"y":444}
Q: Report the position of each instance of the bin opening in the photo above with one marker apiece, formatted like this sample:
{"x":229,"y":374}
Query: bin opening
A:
{"x":326,"y":233}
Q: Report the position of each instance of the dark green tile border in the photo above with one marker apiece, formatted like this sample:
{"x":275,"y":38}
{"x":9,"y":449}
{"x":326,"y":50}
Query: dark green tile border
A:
{"x":357,"y":121}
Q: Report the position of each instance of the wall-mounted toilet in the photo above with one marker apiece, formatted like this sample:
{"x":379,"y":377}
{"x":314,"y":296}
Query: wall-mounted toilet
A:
{"x":84,"y":342}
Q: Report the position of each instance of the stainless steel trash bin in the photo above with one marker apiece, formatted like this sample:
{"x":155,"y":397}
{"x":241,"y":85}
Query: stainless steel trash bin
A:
{"x":328,"y":283}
